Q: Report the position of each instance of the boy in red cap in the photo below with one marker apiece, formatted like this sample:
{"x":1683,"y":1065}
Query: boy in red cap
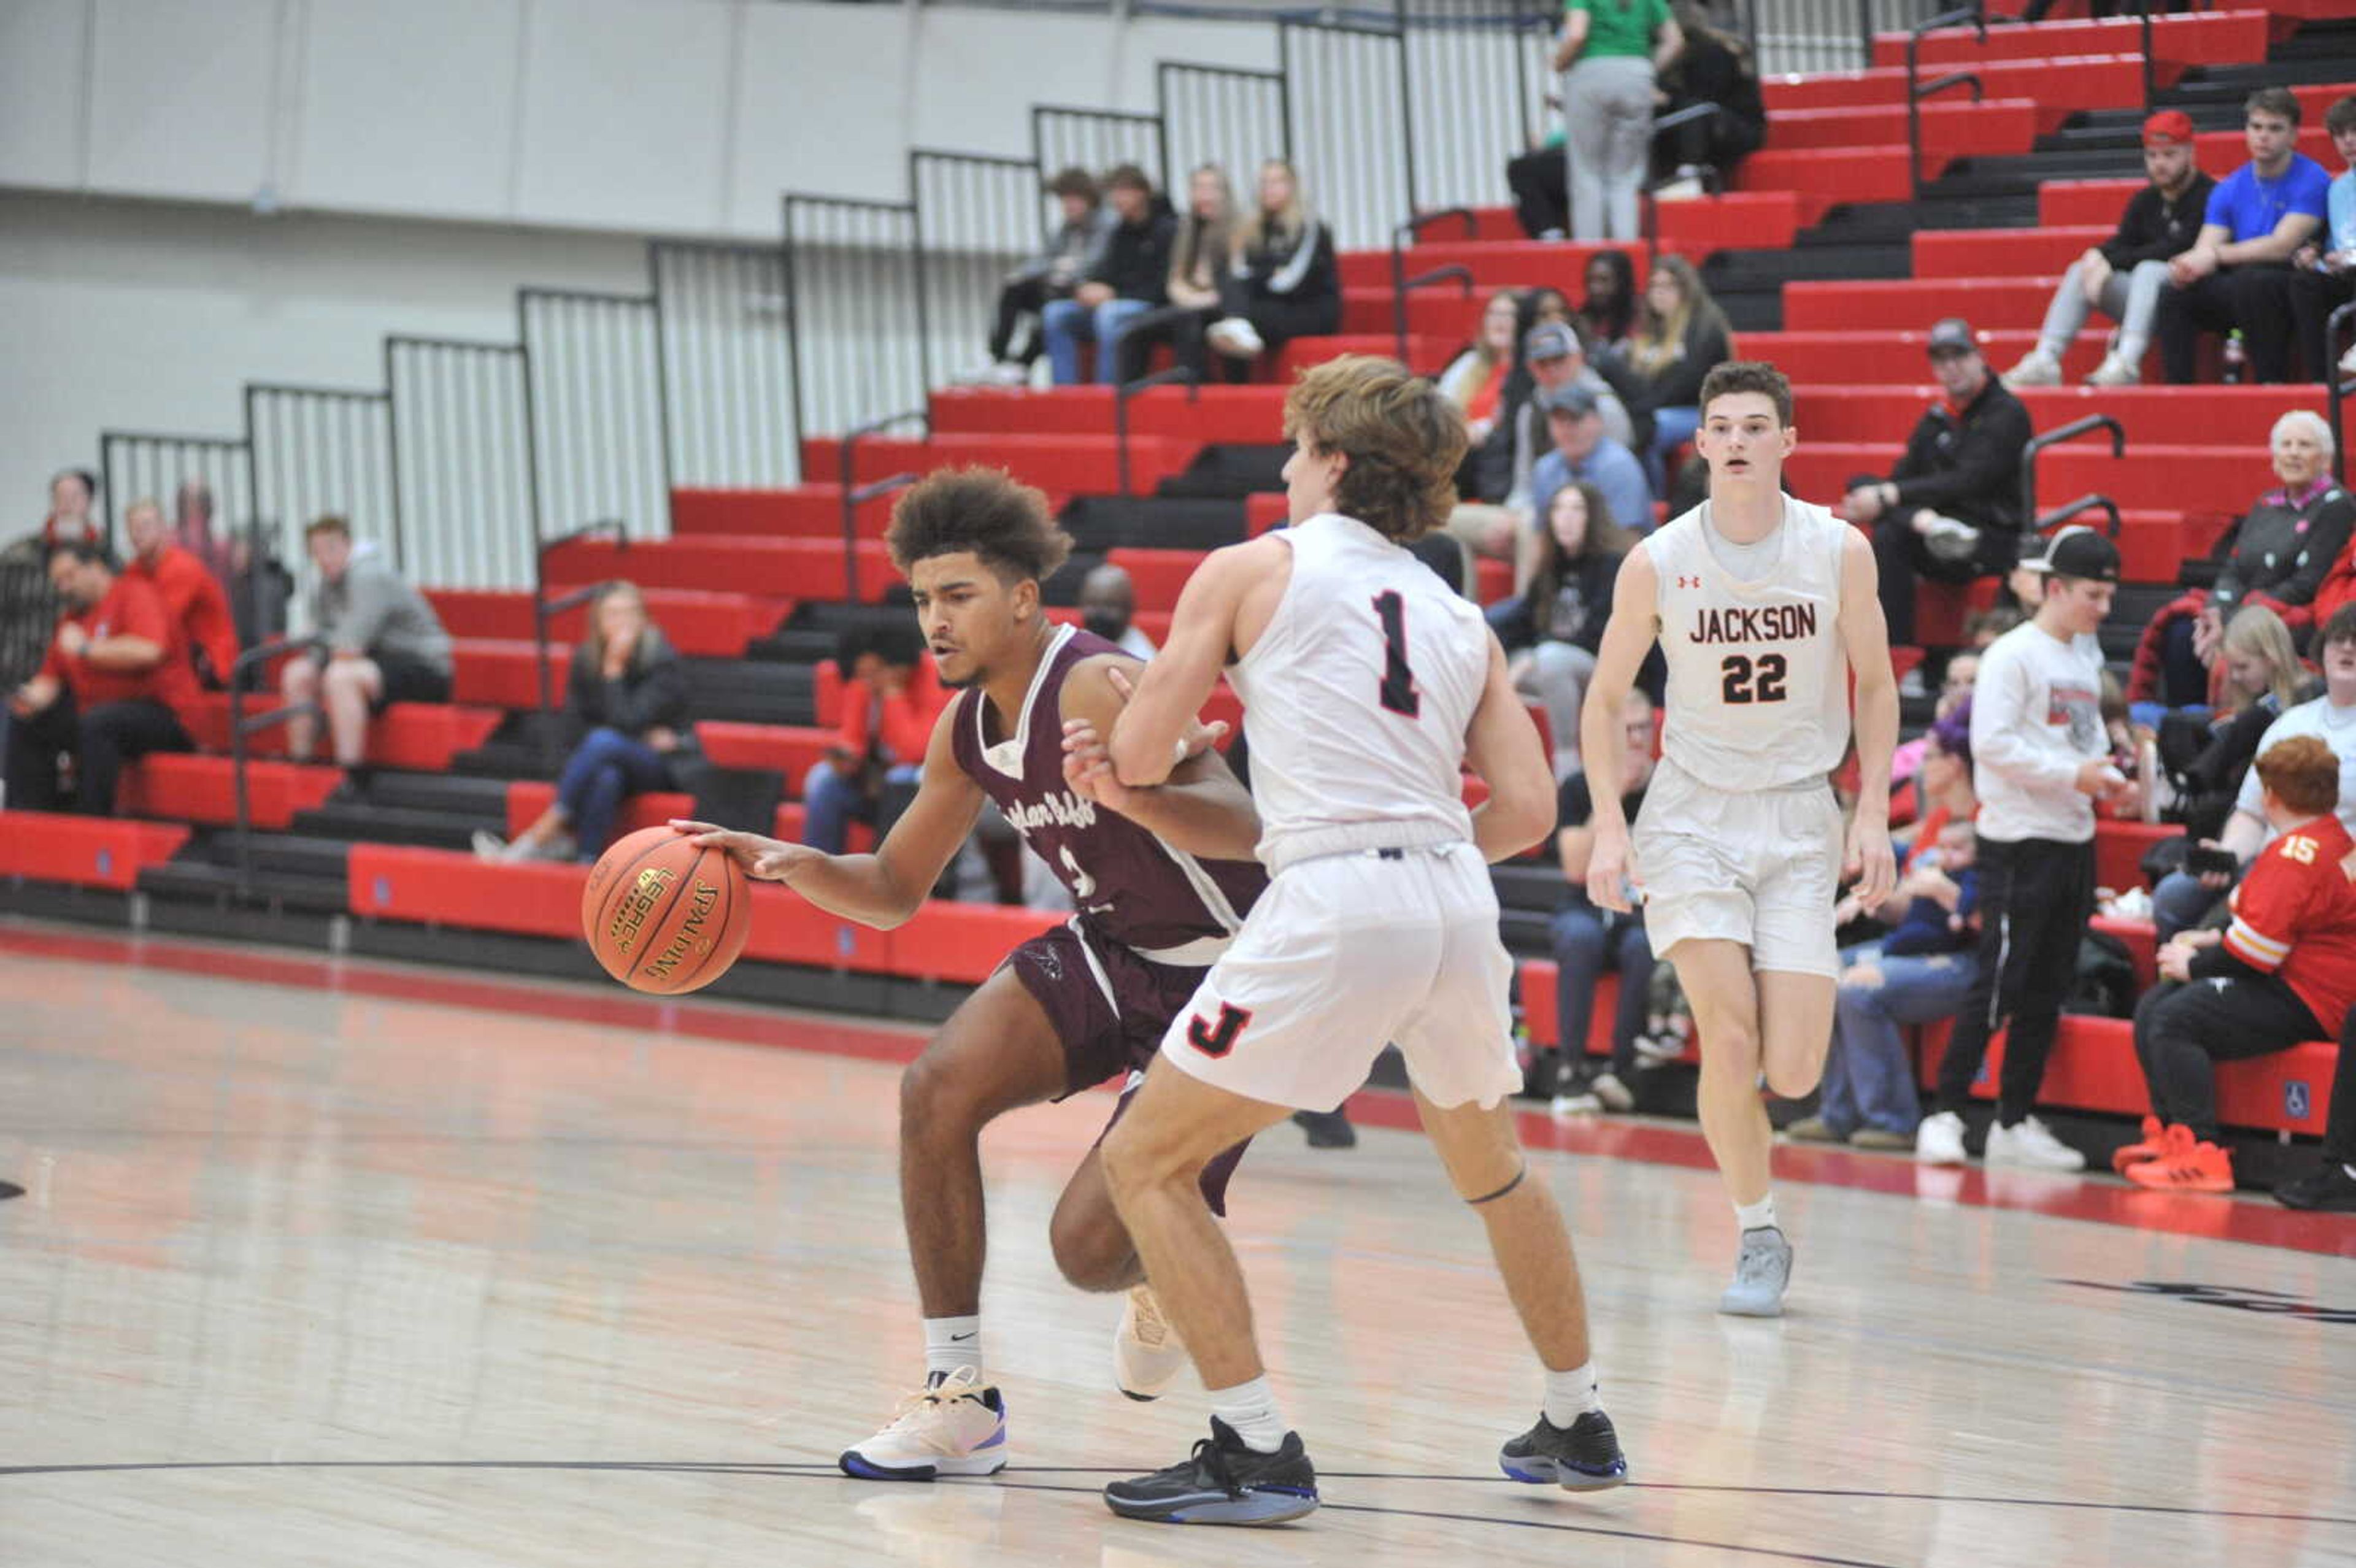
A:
{"x":2123,"y":277}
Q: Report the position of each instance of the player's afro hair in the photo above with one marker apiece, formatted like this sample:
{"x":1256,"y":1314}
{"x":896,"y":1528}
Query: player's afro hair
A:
{"x":984,"y":510}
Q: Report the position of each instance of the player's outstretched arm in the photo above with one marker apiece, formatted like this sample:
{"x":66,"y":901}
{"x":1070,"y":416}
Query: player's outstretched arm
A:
{"x":1628,"y":637}
{"x":1159,"y":717}
{"x":884,"y":889}
{"x":1503,"y":747}
{"x":1865,"y":636}
{"x":1201,"y":808}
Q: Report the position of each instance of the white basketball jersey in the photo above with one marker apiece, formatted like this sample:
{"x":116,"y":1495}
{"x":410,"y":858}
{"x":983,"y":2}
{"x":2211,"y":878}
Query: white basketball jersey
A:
{"x":1358,"y":699}
{"x":1757,"y":694}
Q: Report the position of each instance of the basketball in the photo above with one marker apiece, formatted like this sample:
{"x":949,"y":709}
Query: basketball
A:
{"x":663,"y":915}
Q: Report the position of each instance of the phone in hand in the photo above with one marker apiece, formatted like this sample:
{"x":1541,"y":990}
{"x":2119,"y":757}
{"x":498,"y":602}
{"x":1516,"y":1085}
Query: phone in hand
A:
{"x":2206,"y":860}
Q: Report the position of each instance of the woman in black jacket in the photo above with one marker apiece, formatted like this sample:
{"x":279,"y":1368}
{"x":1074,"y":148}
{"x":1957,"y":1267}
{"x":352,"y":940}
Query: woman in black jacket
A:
{"x":1681,"y":335}
{"x":627,"y":699}
{"x":1285,"y":282}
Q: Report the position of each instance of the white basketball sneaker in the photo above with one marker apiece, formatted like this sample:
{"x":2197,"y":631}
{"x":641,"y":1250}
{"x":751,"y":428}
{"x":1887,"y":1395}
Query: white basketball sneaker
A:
{"x":1939,"y":1139}
{"x":1147,"y":1356}
{"x":2031,"y":1143}
{"x":956,"y":1427}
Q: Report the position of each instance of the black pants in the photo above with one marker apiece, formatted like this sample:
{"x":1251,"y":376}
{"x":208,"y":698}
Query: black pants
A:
{"x":99,"y":741}
{"x":1181,"y":327}
{"x":1019,"y":304}
{"x":1540,"y":182}
{"x":1277,"y":318}
{"x":2034,"y":897}
{"x":2313,"y":297}
{"x":2254,"y":301}
{"x":2181,"y":1032}
{"x":1901,"y":559}
{"x":2339,"y":1123}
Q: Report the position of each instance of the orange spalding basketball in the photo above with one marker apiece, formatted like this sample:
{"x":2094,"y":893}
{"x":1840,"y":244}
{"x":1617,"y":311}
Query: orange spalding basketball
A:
{"x":663,"y":915}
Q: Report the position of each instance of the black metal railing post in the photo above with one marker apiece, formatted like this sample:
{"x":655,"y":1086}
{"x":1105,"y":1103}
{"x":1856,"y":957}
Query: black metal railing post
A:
{"x":2338,"y":337}
{"x":2055,"y":437}
{"x":852,"y":496}
{"x":1127,"y":389}
{"x":242,"y":728}
{"x":1917,"y":91}
{"x":545,"y":610}
{"x":2093,"y":501}
{"x":1403,"y":237}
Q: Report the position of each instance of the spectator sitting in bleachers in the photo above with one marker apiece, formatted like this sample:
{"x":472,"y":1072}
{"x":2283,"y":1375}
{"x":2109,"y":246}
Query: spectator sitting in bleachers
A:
{"x":2323,"y":276}
{"x":1982,"y":627}
{"x":192,"y":596}
{"x":1714,"y":67}
{"x":625,"y":702}
{"x":1609,"y":312}
{"x":385,"y":645}
{"x":1588,"y":939}
{"x":1475,"y":379}
{"x":1051,"y":275}
{"x":1108,"y":608}
{"x":1497,"y":524}
{"x":1123,"y":280}
{"x":115,"y":686}
{"x":1681,"y":337}
{"x":2208,"y":754}
{"x":1285,"y":280}
{"x":28,"y":605}
{"x":2332,"y":1184}
{"x":1552,"y":626}
{"x":1950,"y":510}
{"x":2184,"y":897}
{"x":193,"y":530}
{"x":1611,"y":53}
{"x":1198,"y":257}
{"x":2124,"y":276}
{"x":2280,"y":553}
{"x":1582,"y":452}
{"x":2236,"y":276}
{"x":2283,"y":972}
{"x":891,"y":699}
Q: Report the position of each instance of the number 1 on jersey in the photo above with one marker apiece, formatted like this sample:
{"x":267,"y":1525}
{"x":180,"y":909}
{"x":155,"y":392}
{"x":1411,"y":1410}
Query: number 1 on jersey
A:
{"x":1398,"y":691}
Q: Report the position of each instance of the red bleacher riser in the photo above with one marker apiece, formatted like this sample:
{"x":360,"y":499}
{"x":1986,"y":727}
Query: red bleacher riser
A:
{"x":189,"y":787}
{"x":2241,"y":418}
{"x":2220,"y":152}
{"x":2220,"y":38}
{"x":2149,"y":478}
{"x":789,"y":749}
{"x":1437,"y":312}
{"x":1496,"y":261}
{"x":419,"y":736}
{"x":538,"y":898}
{"x":1893,"y":358}
{"x":713,"y":626}
{"x":961,"y":942}
{"x":1248,"y":415}
{"x":1425,"y":355}
{"x":1734,"y":220}
{"x":1538,"y":979}
{"x":2120,"y":846}
{"x":787,"y":568}
{"x":529,"y":798}
{"x":1065,"y":464}
{"x":2002,"y":252}
{"x":1263,"y":511}
{"x":2141,"y":939}
{"x":803,"y":511}
{"x":2094,"y":1068}
{"x":499,"y":674}
{"x":2063,"y":203}
{"x":1824,"y":178}
{"x":1493,"y":581}
{"x":83,"y":851}
{"x":1958,"y":128}
{"x":2088,"y":81}
{"x":1906,"y":305}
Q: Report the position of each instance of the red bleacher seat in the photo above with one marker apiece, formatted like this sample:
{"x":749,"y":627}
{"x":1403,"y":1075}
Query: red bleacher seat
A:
{"x":712,"y":626}
{"x":189,"y":787}
{"x":419,"y":736}
{"x":789,"y":749}
{"x":2119,"y":850}
{"x":1059,"y":463}
{"x":2085,"y":81}
{"x":2094,"y":1069}
{"x":2218,"y":37}
{"x":83,"y":851}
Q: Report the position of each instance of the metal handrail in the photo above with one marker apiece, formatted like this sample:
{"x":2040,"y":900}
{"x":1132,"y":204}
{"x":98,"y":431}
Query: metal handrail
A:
{"x":1976,"y":17}
{"x":1711,"y":178}
{"x":544,"y":610}
{"x":2343,"y":321}
{"x":1452,"y":273}
{"x":1127,"y":389}
{"x":2055,"y":437}
{"x":2092,"y":501}
{"x":241,"y":728}
{"x":848,"y":468}
{"x":1404,"y":237}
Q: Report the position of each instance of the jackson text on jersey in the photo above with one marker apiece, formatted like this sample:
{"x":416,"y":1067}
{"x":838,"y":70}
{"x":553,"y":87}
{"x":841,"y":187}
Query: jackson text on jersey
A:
{"x":1752,"y":623}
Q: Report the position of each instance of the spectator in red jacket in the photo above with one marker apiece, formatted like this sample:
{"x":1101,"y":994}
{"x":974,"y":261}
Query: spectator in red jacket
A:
{"x":192,"y":595}
{"x":890,"y":700}
{"x":2283,"y":972}
{"x":116,"y":686}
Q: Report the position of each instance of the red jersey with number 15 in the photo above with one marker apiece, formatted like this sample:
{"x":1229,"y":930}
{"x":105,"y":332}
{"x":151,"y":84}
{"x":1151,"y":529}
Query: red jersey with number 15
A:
{"x":2295,"y":915}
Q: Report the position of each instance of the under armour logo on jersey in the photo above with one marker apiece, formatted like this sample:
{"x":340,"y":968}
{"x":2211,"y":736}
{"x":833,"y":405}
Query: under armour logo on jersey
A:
{"x":1688,"y":581}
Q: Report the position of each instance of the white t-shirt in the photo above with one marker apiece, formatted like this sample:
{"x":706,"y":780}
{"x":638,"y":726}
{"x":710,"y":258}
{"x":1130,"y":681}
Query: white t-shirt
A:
{"x":2037,"y":717}
{"x":2336,"y":728}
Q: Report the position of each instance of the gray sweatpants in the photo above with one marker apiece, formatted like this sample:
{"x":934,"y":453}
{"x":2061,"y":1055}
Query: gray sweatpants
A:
{"x":1607,"y":122}
{"x":2130,"y":298}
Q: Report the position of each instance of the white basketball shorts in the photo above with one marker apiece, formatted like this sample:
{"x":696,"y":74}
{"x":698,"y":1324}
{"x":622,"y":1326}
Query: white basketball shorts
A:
{"x":1345,"y":953}
{"x":1759,"y":867}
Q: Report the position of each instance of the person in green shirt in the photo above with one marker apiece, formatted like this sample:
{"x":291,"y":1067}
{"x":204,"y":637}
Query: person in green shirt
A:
{"x":1610,"y":52}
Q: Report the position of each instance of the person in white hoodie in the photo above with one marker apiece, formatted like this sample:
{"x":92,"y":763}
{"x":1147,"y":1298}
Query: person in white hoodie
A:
{"x":2040,"y":759}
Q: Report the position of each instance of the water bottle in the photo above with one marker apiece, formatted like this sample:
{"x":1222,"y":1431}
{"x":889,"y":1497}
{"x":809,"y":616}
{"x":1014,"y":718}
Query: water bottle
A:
{"x":2237,"y":360}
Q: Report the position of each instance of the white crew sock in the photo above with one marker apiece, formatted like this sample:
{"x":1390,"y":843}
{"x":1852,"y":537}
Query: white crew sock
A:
{"x":952,"y":1343}
{"x":1571,"y":1394}
{"x":2351,"y":1169}
{"x":1251,"y":1409}
{"x":1759,"y":1216}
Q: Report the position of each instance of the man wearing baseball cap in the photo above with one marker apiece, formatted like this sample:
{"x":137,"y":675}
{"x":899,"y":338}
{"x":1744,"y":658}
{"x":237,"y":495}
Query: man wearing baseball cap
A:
{"x":2040,"y":759}
{"x":2123,"y":276}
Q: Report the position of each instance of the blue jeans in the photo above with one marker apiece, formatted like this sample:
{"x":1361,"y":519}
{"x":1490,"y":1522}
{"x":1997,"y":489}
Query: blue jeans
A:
{"x":832,"y":801}
{"x":1586,"y":940}
{"x":1672,"y":428}
{"x":1067,"y":324}
{"x":2181,"y":903}
{"x":604,"y":770}
{"x":1869,"y":1078}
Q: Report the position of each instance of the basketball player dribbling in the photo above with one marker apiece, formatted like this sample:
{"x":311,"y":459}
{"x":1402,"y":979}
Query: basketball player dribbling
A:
{"x":1160,"y":885}
{"x":1369,"y":684}
{"x":1764,"y":607}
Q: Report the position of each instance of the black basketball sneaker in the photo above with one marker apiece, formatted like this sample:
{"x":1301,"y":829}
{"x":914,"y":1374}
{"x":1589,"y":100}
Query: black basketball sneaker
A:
{"x":1581,"y":1457}
{"x":1223,"y":1482}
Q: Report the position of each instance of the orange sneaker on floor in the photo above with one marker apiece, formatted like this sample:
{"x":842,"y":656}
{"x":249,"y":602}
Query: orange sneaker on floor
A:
{"x":2185,"y":1167}
{"x":2154,"y":1145}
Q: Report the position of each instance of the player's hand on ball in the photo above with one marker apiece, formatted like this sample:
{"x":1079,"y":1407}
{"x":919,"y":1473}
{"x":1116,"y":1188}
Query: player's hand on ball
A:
{"x":1869,"y":865}
{"x":1607,"y":870}
{"x":764,"y":859}
{"x":1199,"y":737}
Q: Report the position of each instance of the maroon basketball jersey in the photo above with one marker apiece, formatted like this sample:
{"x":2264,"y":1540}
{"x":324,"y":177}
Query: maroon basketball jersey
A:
{"x":1127,"y":885}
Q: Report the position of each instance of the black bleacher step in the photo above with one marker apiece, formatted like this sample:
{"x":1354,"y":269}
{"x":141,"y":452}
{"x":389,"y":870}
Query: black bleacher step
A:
{"x":1228,"y":472}
{"x":1099,"y":523}
{"x":292,"y":853}
{"x":795,"y":645}
{"x":1896,"y":222}
{"x":833,"y":618}
{"x":1063,"y":587}
{"x":1528,"y":933}
{"x":1527,"y":887}
{"x":1751,"y":310}
{"x":200,"y":881}
{"x":439,"y":791}
{"x":364,"y":822}
{"x":753,"y":691}
{"x":1764,"y":269}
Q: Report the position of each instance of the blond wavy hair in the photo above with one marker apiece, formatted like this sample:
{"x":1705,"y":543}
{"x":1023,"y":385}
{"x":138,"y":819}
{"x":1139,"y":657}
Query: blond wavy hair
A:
{"x":1404,"y":438}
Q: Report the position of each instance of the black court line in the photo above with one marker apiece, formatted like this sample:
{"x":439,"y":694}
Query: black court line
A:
{"x":822,"y":1469}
